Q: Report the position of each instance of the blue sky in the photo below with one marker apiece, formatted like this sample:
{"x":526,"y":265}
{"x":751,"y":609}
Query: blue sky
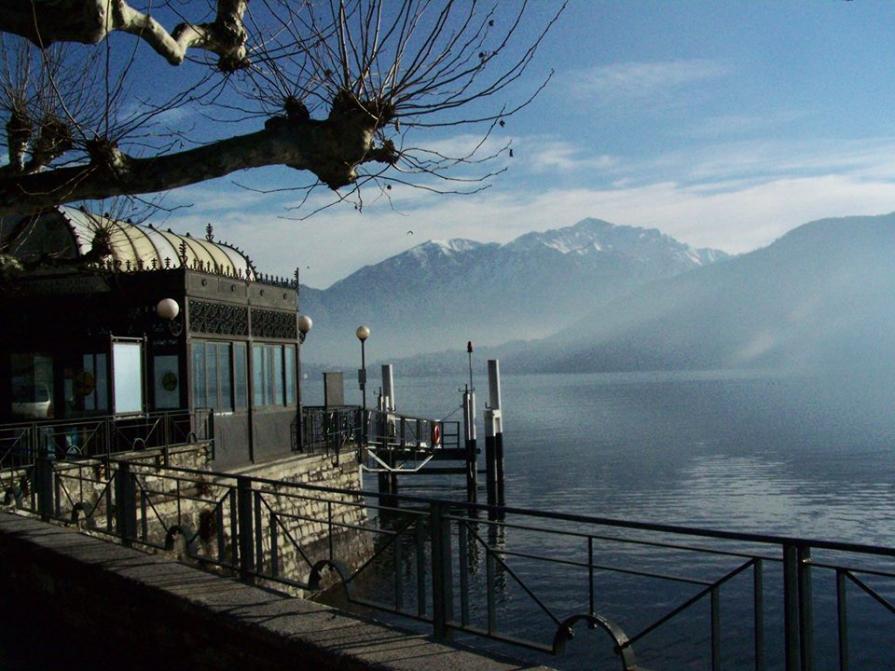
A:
{"x":724,"y":124}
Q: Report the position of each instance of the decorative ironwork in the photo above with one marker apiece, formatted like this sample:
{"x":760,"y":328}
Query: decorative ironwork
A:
{"x":274,"y":324}
{"x":220,"y":318}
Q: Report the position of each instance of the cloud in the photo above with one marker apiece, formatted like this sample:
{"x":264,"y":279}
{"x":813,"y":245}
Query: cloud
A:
{"x":551,"y":155}
{"x":640,"y":81}
{"x":733,"y":196}
{"x":736,"y":220}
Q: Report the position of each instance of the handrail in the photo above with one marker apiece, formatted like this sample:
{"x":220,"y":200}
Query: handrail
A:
{"x":426,"y":543}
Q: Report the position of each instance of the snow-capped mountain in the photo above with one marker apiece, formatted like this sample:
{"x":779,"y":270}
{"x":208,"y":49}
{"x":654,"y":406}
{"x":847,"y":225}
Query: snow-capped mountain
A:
{"x":821,"y":297}
{"x":442,"y":293}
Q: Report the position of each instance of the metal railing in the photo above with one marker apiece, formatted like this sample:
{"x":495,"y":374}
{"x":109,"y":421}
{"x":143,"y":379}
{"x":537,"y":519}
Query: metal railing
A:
{"x":520,"y":577}
{"x":21,"y":444}
{"x":406,"y":432}
{"x":329,"y":430}
{"x":101,"y":436}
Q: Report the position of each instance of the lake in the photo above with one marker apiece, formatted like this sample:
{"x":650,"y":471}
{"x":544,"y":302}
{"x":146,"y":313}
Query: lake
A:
{"x":804,"y":455}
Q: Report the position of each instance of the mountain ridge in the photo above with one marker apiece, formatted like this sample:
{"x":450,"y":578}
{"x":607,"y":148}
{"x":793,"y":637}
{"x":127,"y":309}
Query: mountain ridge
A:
{"x":441,"y":291}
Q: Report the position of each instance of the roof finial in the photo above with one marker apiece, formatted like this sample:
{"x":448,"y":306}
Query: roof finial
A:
{"x":209,"y":232}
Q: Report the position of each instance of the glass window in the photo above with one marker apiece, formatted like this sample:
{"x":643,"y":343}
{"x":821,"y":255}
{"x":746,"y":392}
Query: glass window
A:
{"x":258,"y":375}
{"x":32,"y":386}
{"x":273,"y":375}
{"x":166,"y":377}
{"x":225,"y":387}
{"x":289,"y":351}
{"x":200,"y":399}
{"x":102,"y":383}
{"x":211,"y":376}
{"x":84,"y":385}
{"x":239,"y":374}
{"x":276,"y":355}
{"x":127,"y":362}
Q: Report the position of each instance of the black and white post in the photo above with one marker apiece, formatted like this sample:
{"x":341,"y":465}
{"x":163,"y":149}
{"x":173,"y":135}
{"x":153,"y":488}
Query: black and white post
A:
{"x":388,"y":482}
{"x":470,"y":434}
{"x":494,"y":437}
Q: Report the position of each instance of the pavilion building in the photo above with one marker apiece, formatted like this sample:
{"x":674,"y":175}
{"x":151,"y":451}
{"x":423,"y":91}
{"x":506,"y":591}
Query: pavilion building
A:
{"x":111,"y":318}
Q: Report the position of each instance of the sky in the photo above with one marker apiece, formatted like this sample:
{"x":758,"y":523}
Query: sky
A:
{"x":723,"y":124}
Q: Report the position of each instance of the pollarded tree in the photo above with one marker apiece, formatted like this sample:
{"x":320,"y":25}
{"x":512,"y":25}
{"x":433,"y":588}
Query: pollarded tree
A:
{"x":91,"y":107}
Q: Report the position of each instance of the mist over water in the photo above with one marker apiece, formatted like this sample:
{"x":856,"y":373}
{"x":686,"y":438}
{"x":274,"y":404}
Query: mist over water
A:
{"x":751,"y":451}
{"x":759,"y":452}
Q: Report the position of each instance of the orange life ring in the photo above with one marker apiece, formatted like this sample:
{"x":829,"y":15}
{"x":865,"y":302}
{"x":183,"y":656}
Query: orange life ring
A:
{"x":436,"y":434}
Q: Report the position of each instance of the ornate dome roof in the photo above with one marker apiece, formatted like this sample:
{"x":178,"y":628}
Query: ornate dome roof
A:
{"x":137,"y":246}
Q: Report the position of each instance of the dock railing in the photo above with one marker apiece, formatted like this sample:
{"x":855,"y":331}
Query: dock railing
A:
{"x":331,"y":429}
{"x":521,"y":577}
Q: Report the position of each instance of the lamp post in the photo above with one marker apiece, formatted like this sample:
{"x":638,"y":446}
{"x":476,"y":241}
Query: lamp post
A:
{"x":362,"y":333}
{"x":305,"y":324}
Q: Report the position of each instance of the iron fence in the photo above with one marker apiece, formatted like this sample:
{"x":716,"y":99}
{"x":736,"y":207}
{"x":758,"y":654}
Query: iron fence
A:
{"x":20,"y":443}
{"x":520,"y":577}
{"x":393,"y":430}
{"x":329,"y":429}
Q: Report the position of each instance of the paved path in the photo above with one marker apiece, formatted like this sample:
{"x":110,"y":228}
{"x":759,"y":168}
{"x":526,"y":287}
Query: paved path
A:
{"x":209,"y":621}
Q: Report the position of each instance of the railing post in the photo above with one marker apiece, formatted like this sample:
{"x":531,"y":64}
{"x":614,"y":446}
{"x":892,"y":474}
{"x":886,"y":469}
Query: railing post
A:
{"x":716,"y":628}
{"x":166,"y":431}
{"x":791,"y":607}
{"x":43,"y":484}
{"x":758,"y":613}
{"x":108,"y":431}
{"x":244,"y":506}
{"x":842,"y":619}
{"x":806,"y":612}
{"x":209,"y":430}
{"x":442,"y":582}
{"x":125,"y":504}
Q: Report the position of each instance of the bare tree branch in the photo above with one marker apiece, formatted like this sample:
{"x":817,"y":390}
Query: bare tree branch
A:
{"x":335,"y":82}
{"x":92,"y":21}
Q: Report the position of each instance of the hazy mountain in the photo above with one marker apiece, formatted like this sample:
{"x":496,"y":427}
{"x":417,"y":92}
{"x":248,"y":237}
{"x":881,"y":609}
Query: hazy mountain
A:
{"x":821,"y":296}
{"x":439,"y":294}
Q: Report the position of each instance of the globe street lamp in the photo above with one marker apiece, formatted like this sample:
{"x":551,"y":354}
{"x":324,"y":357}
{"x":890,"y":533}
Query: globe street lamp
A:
{"x":362,"y":333}
{"x":305,"y":324}
{"x":167,"y":309}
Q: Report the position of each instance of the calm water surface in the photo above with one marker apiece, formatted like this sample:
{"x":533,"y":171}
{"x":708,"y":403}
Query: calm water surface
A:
{"x":811,"y":456}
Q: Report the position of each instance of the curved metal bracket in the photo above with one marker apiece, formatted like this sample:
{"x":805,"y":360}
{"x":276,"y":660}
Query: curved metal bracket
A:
{"x":77,"y":511}
{"x":565,"y":632}
{"x":172,"y":534}
{"x":138,"y":444}
{"x":341,"y":570}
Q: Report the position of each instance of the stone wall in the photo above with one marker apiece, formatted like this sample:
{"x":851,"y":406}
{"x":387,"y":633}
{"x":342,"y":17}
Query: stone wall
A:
{"x":324,"y":525}
{"x":195,"y":515}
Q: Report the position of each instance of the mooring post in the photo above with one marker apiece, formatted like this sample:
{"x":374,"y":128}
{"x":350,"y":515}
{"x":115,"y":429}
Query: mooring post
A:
{"x":388,"y":391}
{"x":388,"y":386}
{"x":494,"y":425}
{"x":469,"y":434}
